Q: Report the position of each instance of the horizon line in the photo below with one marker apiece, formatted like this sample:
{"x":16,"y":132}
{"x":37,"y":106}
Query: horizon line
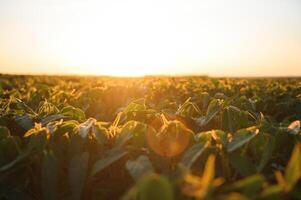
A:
{"x":146,"y":75}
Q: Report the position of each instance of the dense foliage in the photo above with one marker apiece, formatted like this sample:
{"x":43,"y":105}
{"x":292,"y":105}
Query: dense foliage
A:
{"x":149,"y":138}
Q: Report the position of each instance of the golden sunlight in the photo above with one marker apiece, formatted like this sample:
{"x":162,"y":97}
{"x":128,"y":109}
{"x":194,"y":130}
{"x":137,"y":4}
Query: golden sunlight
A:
{"x":134,"y":37}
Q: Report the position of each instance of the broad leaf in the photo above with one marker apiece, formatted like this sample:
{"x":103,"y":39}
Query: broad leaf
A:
{"x":77,"y":174}
{"x":50,"y":176}
{"x":21,"y":157}
{"x":193,"y":153}
{"x":110,"y":157}
{"x":250,"y":185}
{"x":153,"y":187}
{"x":4,"y":132}
{"x":242,"y":137}
{"x":139,"y":167}
{"x":75,"y":113}
{"x":101,"y":134}
{"x":25,"y":122}
{"x":212,"y":110}
{"x":199,"y":187}
{"x":242,"y":165}
{"x":293,"y":169}
{"x":267,"y":152}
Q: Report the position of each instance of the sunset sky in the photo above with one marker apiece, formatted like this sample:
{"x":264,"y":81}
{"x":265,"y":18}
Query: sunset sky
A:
{"x":138,"y":37}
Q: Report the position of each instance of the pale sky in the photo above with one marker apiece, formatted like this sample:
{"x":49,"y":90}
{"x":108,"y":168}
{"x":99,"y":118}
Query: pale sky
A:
{"x":138,"y":37}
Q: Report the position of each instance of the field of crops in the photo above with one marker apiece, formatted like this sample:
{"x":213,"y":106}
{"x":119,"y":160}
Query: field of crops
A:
{"x":152,"y":138}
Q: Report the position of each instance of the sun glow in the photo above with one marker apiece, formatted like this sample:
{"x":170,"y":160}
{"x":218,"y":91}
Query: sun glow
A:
{"x":122,"y":42}
{"x":134,"y":37}
{"x":125,"y":56}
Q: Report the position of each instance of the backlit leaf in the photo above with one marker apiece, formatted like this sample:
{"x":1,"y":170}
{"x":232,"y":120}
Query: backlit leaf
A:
{"x":294,"y":127}
{"x":242,"y":137}
{"x":293,"y":169}
{"x":110,"y":157}
{"x":139,"y":167}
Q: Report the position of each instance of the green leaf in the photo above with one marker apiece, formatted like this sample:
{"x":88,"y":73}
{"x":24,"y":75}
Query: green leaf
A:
{"x":73,"y":112}
{"x":228,"y":118}
{"x":122,"y":139}
{"x":38,"y":129}
{"x":234,"y":118}
{"x":134,"y":106}
{"x":70,"y":127}
{"x":242,"y":165}
{"x":250,"y":186}
{"x":199,"y":187}
{"x":15,"y":194}
{"x":37,"y":140}
{"x":233,"y":196}
{"x":46,"y":108}
{"x":203,"y":137}
{"x":214,"y":106}
{"x":273,"y":192}
{"x":293,"y":169}
{"x":153,"y":187}
{"x":267,"y":152}
{"x":138,"y":131}
{"x":50,"y":176}
{"x":21,"y":157}
{"x":188,"y":109}
{"x":193,"y":153}
{"x":242,"y":137}
{"x":137,"y":168}
{"x":110,"y":157}
{"x":220,"y":137}
{"x":212,"y":110}
{"x":4,"y":132}
{"x":101,"y":134}
{"x":78,"y":167}
{"x":209,"y":172}
{"x":25,"y":122}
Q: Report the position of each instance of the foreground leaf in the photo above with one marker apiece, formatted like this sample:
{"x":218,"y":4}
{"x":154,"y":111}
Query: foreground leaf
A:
{"x":268,"y":149}
{"x":242,"y":137}
{"x":110,"y":157}
{"x":293,"y":169}
{"x":50,"y":176}
{"x":139,"y":167}
{"x":250,"y":186}
{"x":4,"y":132}
{"x":193,"y":153}
{"x":25,"y":122}
{"x":199,"y":187}
{"x":154,"y":187}
{"x":77,"y":174}
{"x":21,"y":157}
{"x":242,"y":165}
